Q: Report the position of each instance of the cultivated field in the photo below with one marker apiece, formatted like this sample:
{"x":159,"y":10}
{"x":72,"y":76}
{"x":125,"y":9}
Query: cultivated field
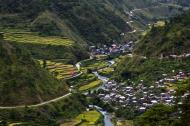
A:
{"x":33,"y":38}
{"x":89,"y":118}
{"x":59,"y":69}
{"x":90,"y":85}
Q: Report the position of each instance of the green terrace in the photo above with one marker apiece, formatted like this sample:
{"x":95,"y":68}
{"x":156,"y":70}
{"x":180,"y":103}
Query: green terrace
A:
{"x":45,"y":47}
{"x":34,"y":38}
{"x":88,"y":118}
{"x":90,"y":85}
{"x":59,"y":69}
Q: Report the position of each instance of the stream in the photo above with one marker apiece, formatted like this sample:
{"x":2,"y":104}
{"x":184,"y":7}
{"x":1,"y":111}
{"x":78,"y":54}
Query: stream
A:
{"x":107,"y":116}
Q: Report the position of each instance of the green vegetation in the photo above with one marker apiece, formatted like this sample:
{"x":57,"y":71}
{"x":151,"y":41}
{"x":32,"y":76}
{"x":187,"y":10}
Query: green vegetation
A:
{"x":23,"y":81}
{"x":59,"y":69}
{"x":65,"y":18}
{"x":173,"y":38}
{"x":149,"y":70}
{"x":42,"y":47}
{"x":92,"y":117}
{"x":61,"y":29}
{"x":166,"y":115}
{"x":85,"y":78}
{"x":108,"y":71}
{"x":36,"y":39}
{"x":74,"y":19}
{"x":93,"y":64}
{"x":157,"y":12}
{"x":89,"y":118}
{"x":102,"y":57}
{"x":51,"y":114}
{"x":158,"y":115}
{"x":90,"y":85}
{"x":85,"y":81}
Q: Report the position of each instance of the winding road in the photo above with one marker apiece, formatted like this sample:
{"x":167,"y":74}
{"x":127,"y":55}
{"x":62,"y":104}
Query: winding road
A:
{"x":107,"y":116}
{"x":37,"y":105}
{"x":42,"y":103}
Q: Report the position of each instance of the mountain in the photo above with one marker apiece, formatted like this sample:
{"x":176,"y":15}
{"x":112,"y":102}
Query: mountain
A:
{"x":80,"y":20}
{"x":22,"y":80}
{"x":163,"y":49}
{"x":100,"y":21}
{"x":172,"y":38}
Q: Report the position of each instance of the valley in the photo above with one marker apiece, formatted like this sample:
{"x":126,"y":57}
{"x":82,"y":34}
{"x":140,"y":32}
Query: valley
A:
{"x":94,"y":63}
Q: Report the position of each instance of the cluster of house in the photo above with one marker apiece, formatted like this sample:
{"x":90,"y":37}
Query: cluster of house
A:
{"x":113,"y":49}
{"x":140,"y":96}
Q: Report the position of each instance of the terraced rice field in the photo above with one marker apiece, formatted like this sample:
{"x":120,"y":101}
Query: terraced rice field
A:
{"x":90,"y":85}
{"x":60,"y":70}
{"x":89,"y":118}
{"x":36,"y":39}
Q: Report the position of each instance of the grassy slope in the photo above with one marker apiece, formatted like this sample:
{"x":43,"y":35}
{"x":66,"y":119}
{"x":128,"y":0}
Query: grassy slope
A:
{"x":23,"y":81}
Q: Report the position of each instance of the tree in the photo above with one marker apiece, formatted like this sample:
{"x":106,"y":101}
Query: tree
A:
{"x":159,"y":115}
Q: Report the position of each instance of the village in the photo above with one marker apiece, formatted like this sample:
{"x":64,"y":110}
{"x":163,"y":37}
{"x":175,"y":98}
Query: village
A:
{"x":113,"y":49}
{"x":141,"y":96}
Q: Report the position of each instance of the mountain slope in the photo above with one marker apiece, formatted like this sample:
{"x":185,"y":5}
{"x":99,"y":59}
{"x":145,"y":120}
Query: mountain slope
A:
{"x":90,"y":20}
{"x":22,"y":80}
{"x":173,"y":38}
{"x":100,"y":21}
{"x":169,"y":40}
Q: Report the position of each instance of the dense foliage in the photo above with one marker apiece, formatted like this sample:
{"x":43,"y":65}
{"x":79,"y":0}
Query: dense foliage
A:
{"x":173,"y":38}
{"x":70,"y":18}
{"x":81,"y":20}
{"x":41,"y":51}
{"x":52,"y":114}
{"x":22,"y":80}
{"x":149,"y":70}
{"x":159,"y":115}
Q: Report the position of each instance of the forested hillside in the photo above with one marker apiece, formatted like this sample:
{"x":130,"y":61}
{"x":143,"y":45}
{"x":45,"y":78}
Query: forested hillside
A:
{"x":47,"y":78}
{"x":82,"y":21}
{"x":22,"y":80}
{"x":172,"y":39}
{"x":161,"y":50}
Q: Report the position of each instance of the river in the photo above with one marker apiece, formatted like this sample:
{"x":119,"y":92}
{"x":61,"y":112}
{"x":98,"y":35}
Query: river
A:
{"x":107,"y":116}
